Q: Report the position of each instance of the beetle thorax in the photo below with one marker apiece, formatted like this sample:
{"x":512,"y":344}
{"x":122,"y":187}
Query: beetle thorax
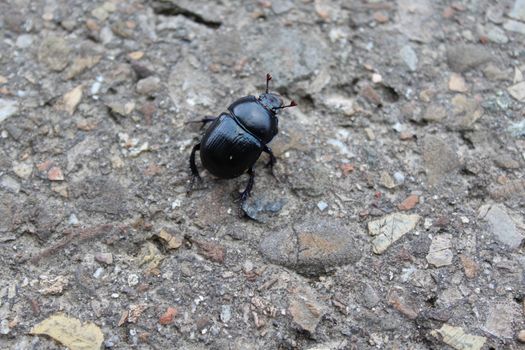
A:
{"x":255,"y":117}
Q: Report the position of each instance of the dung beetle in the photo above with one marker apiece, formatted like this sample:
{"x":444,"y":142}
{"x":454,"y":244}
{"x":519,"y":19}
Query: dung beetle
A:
{"x":235,"y":139}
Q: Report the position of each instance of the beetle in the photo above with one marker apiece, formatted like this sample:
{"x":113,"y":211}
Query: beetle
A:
{"x":235,"y":139}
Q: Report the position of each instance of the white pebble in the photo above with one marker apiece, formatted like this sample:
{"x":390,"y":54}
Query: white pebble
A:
{"x":322,"y":205}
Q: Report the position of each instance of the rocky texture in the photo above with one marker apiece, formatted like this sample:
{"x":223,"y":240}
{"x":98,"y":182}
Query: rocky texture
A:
{"x":395,"y":216}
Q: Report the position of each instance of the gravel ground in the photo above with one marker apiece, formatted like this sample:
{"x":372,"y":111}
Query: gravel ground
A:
{"x":395,"y":219}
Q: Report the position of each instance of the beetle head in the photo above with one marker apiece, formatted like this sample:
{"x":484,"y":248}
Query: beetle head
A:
{"x":272,"y":101}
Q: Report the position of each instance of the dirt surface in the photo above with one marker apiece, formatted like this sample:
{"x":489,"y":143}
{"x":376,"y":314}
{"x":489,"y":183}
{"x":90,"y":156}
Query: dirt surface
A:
{"x":395,"y":219}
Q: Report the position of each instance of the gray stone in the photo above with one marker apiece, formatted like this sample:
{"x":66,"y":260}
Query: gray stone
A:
{"x":389,"y":229}
{"x":305,"y":308}
{"x":518,"y":10}
{"x":10,"y":184}
{"x":262,"y":209}
{"x":440,"y":253}
{"x":295,"y":55}
{"x":148,"y":86}
{"x":514,"y":26}
{"x":283,"y":6}
{"x":24,"y":41}
{"x":463,"y":57}
{"x":502,"y":225}
{"x":54,"y":53}
{"x":518,"y":91}
{"x":369,"y":296}
{"x":496,"y":34}
{"x":500,"y":319}
{"x":517,"y":129}
{"x":409,"y":56}
{"x":226,"y":313}
{"x":313,"y":246}
{"x":439,"y":157}
{"x":8,"y":108}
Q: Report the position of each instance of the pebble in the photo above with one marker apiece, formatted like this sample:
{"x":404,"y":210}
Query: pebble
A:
{"x":521,"y":336}
{"x":386,"y":180}
{"x":55,"y":174}
{"x":457,"y":83}
{"x":470,"y":267}
{"x":517,"y":129}
{"x":24,"y":41}
{"x":8,"y":108}
{"x":322,"y":205}
{"x":518,"y":91}
{"x":73,"y":220}
{"x":226,"y":313}
{"x":496,"y":34}
{"x":148,"y":86}
{"x":389,"y":229}
{"x":10,"y":184}
{"x":106,"y":258}
{"x":439,"y":253}
{"x":501,"y":317}
{"x":399,"y":178}
{"x":514,"y":26}
{"x":313,"y":245}
{"x":518,"y":10}
{"x":501,"y":224}
{"x":458,"y":339}
{"x":439,"y":158}
{"x":463,"y":57}
{"x":434,"y":113}
{"x":306,"y":309}
{"x":54,"y":53}
{"x":4,"y":327}
{"x":409,"y":56}
{"x":133,"y":280}
{"x":409,"y":203}
{"x":22,"y":170}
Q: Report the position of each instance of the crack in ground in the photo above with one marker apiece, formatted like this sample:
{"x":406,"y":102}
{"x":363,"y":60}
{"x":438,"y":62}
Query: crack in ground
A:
{"x":171,"y":9}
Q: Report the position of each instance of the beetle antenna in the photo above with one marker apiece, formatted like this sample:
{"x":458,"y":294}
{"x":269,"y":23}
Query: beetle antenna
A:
{"x":292,"y":104}
{"x":268,"y":78}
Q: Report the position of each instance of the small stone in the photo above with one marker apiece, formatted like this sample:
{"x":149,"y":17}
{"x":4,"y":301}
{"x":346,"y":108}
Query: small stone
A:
{"x":100,"y":13}
{"x":377,"y":78}
{"x":457,"y":83}
{"x":53,"y":286}
{"x":4,"y":327}
{"x":81,"y":64}
{"x":148,"y":86}
{"x":514,"y":26}
{"x":434,"y":113}
{"x":226,"y":313}
{"x":439,"y":253}
{"x":409,"y":203}
{"x":492,"y":72}
{"x":24,"y":41}
{"x":121,"y":108}
{"x":496,"y":34}
{"x":8,"y":108}
{"x":517,"y":129}
{"x":23,"y":170}
{"x":170,"y":240}
{"x":470,"y":267}
{"x":105,"y":258}
{"x":10,"y":184}
{"x":133,"y":280}
{"x":168,"y":315}
{"x":322,"y":205}
{"x":389,"y":229}
{"x":386,"y":180}
{"x":466,"y":56}
{"x":518,"y":91}
{"x":518,"y":75}
{"x":399,"y":178}
{"x":71,"y":99}
{"x":340,"y":103}
{"x":458,"y":339}
{"x":401,"y":305}
{"x":305,"y":309}
{"x":54,"y":53}
{"x":500,"y":319}
{"x":136,"y":55}
{"x":502,"y":225}
{"x":380,"y":17}
{"x":370,"y":94}
{"x":60,"y":188}
{"x":55,"y":174}
{"x":73,"y":220}
{"x":518,"y":10}
{"x":409,"y":56}
{"x":521,"y":336}
{"x":211,"y":251}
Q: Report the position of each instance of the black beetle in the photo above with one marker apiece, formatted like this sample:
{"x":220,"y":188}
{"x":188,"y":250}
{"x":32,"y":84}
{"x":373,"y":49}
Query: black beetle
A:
{"x":235,"y":139}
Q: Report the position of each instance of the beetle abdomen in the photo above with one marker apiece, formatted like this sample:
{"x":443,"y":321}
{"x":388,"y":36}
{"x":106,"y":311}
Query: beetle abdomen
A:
{"x":228,"y":150}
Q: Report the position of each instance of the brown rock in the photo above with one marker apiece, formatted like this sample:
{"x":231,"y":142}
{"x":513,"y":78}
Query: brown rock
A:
{"x":305,"y":309}
{"x":211,"y":251}
{"x":55,"y":174}
{"x":168,"y":315}
{"x":400,"y":305}
{"x":370,"y":94}
{"x":409,"y":202}
{"x":470,"y":267}
{"x":380,"y":17}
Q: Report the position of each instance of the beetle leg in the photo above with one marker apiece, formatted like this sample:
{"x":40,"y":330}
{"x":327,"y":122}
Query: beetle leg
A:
{"x":193,"y":167}
{"x":204,"y":121}
{"x":249,"y":186}
{"x":272,"y":160}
